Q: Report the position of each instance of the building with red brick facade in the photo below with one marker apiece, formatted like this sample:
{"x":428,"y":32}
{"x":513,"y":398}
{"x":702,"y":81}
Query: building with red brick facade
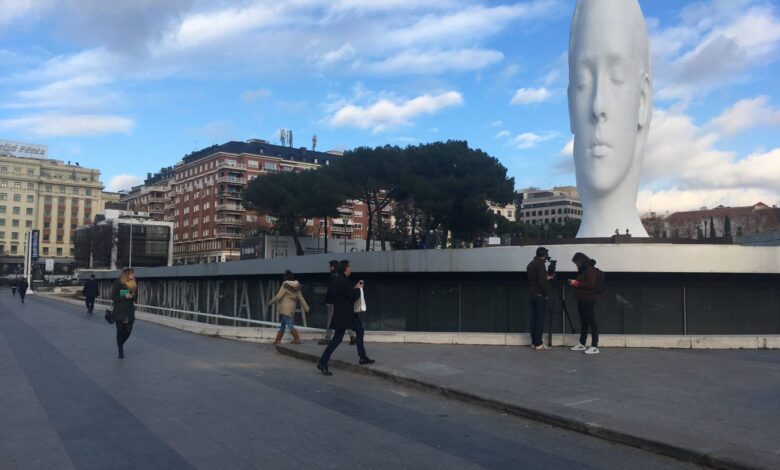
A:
{"x":202,"y":196}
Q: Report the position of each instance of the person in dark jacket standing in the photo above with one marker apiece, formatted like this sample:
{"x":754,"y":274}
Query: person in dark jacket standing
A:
{"x":539,"y":293}
{"x":124,"y":294}
{"x":22,"y":288}
{"x":91,"y":291}
{"x":585,"y":292}
{"x":344,"y":295}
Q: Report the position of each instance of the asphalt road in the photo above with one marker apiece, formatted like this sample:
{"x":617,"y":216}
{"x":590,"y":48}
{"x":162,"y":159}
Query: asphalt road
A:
{"x":180,"y":400}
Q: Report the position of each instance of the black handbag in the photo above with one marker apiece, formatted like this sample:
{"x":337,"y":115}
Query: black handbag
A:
{"x":109,"y":316}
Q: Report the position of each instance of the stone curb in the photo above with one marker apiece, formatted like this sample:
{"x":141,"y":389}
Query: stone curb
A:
{"x":706,"y":457}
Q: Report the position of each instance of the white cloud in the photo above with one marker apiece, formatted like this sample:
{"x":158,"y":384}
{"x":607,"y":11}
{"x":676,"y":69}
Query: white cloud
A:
{"x":529,"y":140}
{"x":496,"y":123}
{"x":123,"y":182}
{"x":343,"y":53}
{"x":12,"y":10}
{"x":746,"y":114}
{"x":531,"y":96}
{"x":568,"y":149}
{"x":250,"y":96}
{"x":502,"y":134}
{"x":434,"y":62}
{"x":385,"y":113}
{"x":715,"y":43}
{"x":685,"y":170}
{"x":68,"y":125}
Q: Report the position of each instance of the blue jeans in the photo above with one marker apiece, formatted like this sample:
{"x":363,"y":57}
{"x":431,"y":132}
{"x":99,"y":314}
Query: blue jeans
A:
{"x":537,"y":314}
{"x":285,"y":322}
{"x":339,"y":335}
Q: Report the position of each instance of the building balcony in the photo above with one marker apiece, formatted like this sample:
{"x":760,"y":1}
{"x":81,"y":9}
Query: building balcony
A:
{"x":341,"y":229}
{"x":235,"y":166}
{"x":228,"y":221}
{"x":157,"y":200}
{"x":230,"y":180}
{"x":230,"y":207}
{"x":230,"y":194}
{"x":227,"y":234}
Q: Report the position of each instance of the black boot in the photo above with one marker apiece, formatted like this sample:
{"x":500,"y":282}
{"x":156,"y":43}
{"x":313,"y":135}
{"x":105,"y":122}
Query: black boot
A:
{"x":324,"y":369}
{"x":366,"y":360}
{"x":121,"y":352}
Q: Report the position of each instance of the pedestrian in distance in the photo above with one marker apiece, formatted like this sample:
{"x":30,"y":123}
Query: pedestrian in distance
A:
{"x":22,"y":288}
{"x":538,"y":296}
{"x":91,"y":291}
{"x":124,"y":294}
{"x":585,"y":292}
{"x":288,"y":297}
{"x":333,"y":265}
{"x":13,"y":290}
{"x":344,"y":296}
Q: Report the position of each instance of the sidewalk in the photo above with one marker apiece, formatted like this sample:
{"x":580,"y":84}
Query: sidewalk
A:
{"x":717,"y":408}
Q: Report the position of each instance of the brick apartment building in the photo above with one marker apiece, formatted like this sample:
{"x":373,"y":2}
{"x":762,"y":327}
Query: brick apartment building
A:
{"x":202,"y":196}
{"x":718,"y":222}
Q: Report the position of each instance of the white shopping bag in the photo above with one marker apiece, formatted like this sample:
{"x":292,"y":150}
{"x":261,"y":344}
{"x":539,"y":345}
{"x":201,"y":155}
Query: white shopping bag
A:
{"x":360,"y":304}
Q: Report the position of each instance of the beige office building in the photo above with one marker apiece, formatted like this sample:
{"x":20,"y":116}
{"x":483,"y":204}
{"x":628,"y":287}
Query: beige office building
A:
{"x":49,"y":195}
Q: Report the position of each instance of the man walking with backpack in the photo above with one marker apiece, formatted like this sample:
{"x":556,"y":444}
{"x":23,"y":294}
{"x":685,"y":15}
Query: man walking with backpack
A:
{"x":586,"y":289}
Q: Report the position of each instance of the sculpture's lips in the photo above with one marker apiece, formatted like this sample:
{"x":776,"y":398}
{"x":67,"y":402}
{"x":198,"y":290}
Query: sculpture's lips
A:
{"x":599,"y":148}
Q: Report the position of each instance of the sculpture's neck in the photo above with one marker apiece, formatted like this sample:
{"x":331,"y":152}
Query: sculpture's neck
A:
{"x":601,"y":216}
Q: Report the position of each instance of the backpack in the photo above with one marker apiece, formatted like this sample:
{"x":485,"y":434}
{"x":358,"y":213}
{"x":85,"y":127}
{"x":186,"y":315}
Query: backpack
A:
{"x":600,"y":281}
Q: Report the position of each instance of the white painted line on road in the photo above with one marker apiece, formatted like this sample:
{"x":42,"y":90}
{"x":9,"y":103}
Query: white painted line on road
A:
{"x":583,"y":402}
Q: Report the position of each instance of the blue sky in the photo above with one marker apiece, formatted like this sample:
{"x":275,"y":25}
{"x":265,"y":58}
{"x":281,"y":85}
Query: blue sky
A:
{"x":128,"y":87}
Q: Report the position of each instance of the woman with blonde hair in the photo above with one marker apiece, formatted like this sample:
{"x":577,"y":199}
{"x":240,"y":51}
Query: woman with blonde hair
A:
{"x":124,"y":294}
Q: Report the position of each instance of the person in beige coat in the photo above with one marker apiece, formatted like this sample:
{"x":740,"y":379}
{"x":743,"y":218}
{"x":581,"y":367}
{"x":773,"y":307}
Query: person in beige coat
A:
{"x":288,"y":297}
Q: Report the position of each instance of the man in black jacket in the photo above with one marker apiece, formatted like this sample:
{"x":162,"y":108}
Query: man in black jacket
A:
{"x":333,"y":265}
{"x":22,"y":288}
{"x":538,"y":295}
{"x":90,"y":292}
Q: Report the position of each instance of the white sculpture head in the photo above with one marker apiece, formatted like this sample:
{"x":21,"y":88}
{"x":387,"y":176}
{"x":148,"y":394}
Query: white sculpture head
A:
{"x":610,"y":108}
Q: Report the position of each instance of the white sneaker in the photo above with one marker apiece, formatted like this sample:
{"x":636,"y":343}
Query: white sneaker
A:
{"x":578,"y":347}
{"x":592,"y":350}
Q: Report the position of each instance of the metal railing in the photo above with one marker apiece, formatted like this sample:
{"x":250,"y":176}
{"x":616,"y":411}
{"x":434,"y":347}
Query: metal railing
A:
{"x":183,"y":314}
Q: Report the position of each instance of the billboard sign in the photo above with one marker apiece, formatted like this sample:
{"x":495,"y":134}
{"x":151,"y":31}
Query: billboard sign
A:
{"x":21,"y":150}
{"x":49,"y":265}
{"x":34,"y":237}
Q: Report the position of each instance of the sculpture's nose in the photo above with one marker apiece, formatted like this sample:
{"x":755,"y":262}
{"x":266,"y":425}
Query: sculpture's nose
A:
{"x":599,"y":101}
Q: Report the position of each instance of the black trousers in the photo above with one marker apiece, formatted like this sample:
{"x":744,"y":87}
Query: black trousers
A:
{"x":587,"y":312}
{"x":123,"y":331}
{"x":22,"y":294}
{"x":339,"y":335}
{"x":90,"y":301}
{"x":537,"y":314}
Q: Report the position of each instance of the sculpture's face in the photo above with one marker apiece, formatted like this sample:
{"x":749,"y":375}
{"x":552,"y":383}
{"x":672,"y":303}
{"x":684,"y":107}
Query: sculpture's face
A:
{"x":606,"y":94}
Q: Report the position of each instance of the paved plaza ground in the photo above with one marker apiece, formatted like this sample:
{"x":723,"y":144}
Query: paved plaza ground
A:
{"x":181,"y":400}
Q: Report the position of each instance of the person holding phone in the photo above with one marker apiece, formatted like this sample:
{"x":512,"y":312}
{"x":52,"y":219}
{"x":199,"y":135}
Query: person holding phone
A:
{"x":124,"y":294}
{"x":343,"y":296}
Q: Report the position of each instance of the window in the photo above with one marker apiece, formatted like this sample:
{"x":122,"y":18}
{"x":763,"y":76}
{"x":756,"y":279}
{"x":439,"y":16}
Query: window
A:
{"x":3,"y":184}
{"x":59,"y":251}
{"x":17,"y":185}
{"x":46,"y":224}
{"x":48,"y":188}
{"x":2,"y":235}
{"x":13,"y":248}
{"x":62,"y":189}
{"x":270,"y":166}
{"x":59,"y":240}
{"x":88,"y":192}
{"x":2,"y":222}
{"x":30,"y":172}
{"x":17,"y":197}
{"x":3,"y":196}
{"x":61,"y":201}
{"x":45,"y":237}
{"x":17,"y":170}
{"x":15,"y":223}
{"x":16,"y":211}
{"x":14,"y":235}
{"x":30,"y":198}
{"x":60,"y":226}
{"x":45,"y":250}
{"x":28,"y":211}
{"x":31,"y":186}
{"x":3,"y":169}
{"x":252,"y":164}
{"x":75,"y":190}
{"x":61,"y":213}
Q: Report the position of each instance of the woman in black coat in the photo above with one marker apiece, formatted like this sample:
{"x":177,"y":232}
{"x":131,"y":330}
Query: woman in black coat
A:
{"x":343,"y":296}
{"x":124,"y":294}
